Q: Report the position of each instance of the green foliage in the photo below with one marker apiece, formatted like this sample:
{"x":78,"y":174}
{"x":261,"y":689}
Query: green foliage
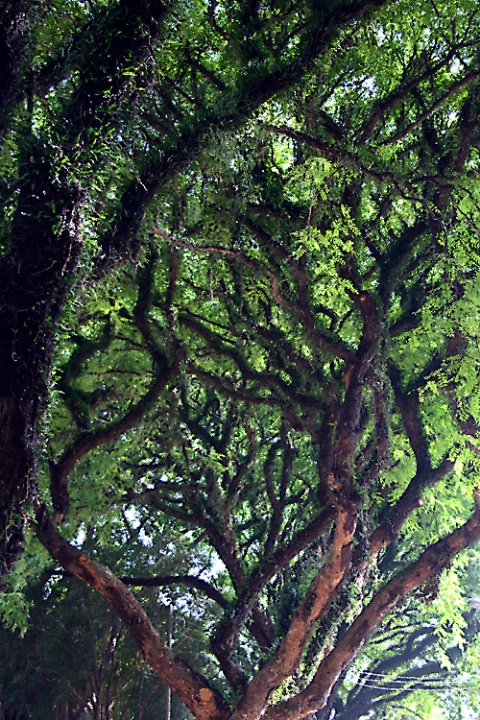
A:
{"x":241,"y":239}
{"x":80,"y":655}
{"x":15,"y":605}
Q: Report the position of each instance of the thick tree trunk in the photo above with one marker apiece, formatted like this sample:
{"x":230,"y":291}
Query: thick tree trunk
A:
{"x":35,"y":278}
{"x":16,"y":452}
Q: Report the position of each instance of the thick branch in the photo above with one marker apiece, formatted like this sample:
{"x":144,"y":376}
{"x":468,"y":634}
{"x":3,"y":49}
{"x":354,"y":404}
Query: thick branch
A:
{"x":320,"y":594}
{"x":430,"y":563}
{"x":205,"y":702}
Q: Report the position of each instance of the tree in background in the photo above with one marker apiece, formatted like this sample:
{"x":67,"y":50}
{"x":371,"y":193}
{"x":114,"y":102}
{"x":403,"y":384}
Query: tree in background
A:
{"x":239,"y":327}
{"x":420,"y":661}
{"x":77,"y":661}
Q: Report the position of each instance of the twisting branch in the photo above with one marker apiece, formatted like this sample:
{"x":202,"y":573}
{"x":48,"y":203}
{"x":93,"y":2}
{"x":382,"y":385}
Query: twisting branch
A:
{"x":199,"y":696}
{"x":411,"y":499}
{"x":164,"y":368}
{"x":334,"y":348}
{"x":188,"y":581}
{"x":430,"y":563}
{"x":456,"y":87}
{"x":60,"y":469}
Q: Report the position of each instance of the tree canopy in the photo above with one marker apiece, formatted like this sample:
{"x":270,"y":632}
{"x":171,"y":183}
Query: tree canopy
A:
{"x":239,"y":304}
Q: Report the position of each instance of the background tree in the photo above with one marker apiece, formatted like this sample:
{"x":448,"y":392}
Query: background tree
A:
{"x":240,"y":263}
{"x":76,"y":659}
{"x":421,"y":659}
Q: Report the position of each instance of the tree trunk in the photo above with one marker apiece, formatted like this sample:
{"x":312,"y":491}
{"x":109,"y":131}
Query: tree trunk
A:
{"x":168,"y":692}
{"x":35,"y":279}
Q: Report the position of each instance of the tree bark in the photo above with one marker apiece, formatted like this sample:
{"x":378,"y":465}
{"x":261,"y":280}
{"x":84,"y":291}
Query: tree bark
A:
{"x":195,"y":691}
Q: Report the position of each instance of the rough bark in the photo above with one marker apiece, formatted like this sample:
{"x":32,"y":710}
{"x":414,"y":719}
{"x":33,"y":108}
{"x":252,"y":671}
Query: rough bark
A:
{"x":34,"y":280}
{"x":194,"y":690}
{"x":429,"y":565}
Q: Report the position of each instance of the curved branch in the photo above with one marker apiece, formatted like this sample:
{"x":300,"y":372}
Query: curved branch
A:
{"x":205,"y":702}
{"x":189,"y":581}
{"x":59,"y":470}
{"x":430,"y":563}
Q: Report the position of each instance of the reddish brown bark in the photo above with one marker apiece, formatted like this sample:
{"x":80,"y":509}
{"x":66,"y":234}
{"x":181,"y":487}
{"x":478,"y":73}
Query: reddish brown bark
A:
{"x":194,"y":690}
{"x":429,"y":565}
{"x":320,"y":594}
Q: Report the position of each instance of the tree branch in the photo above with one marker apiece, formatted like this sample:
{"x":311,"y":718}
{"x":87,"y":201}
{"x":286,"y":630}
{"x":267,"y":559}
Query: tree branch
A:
{"x":188,"y":581}
{"x":430,"y":563}
{"x":322,"y":591}
{"x":205,"y":702}
{"x":60,"y":469}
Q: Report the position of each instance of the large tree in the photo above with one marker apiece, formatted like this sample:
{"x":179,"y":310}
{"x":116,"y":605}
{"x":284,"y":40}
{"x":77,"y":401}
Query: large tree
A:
{"x":239,"y":320}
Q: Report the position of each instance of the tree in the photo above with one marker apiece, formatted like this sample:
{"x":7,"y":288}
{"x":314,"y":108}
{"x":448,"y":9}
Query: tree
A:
{"x":72,"y":75}
{"x":76,"y":660}
{"x":239,"y":329}
{"x":412,"y":665}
